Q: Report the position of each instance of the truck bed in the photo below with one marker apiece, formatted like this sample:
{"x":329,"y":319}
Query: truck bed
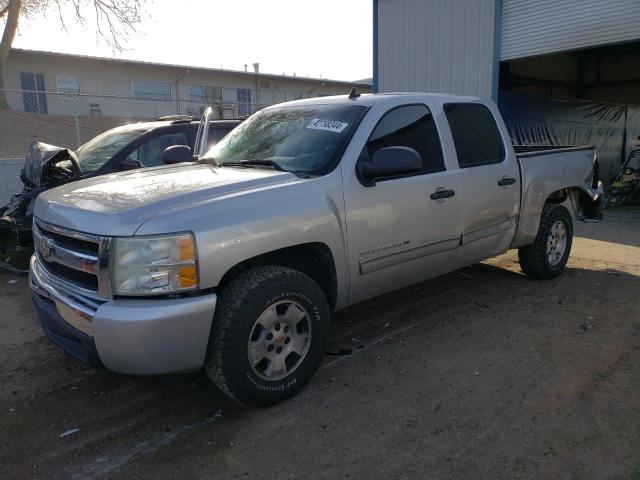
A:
{"x":523,"y":151}
{"x":547,"y":169}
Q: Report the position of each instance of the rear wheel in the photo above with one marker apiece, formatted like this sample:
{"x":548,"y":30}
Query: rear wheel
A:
{"x":547,"y":256}
{"x":269,"y":335}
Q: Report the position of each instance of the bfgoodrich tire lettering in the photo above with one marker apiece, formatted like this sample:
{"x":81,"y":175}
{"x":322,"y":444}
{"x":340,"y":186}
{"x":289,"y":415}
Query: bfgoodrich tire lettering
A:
{"x":547,"y":256}
{"x":248,"y":298}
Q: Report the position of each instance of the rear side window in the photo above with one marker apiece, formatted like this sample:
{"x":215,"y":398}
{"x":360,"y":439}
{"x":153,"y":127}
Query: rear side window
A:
{"x":216,"y":134}
{"x":475,"y":134}
{"x":410,"y":126}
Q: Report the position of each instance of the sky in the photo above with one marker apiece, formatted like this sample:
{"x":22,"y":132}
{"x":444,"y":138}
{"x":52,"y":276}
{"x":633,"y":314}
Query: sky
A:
{"x":327,"y":38}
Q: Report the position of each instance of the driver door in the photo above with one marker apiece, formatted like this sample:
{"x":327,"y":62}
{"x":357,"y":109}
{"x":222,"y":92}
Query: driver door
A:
{"x":401,"y":231}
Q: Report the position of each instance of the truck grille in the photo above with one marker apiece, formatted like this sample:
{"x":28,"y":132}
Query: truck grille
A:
{"x":78,"y":259}
{"x":81,"y":279}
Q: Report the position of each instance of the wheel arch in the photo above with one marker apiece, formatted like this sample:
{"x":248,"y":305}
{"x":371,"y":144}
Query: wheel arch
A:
{"x":583,"y":203}
{"x":314,"y":259}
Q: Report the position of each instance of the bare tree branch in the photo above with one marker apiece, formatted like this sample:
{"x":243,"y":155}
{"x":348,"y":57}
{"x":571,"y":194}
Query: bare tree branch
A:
{"x":114,"y":20}
{"x":61,"y":17}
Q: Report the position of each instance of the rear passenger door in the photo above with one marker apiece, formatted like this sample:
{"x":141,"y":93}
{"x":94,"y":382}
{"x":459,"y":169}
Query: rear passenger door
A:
{"x":489,"y":181}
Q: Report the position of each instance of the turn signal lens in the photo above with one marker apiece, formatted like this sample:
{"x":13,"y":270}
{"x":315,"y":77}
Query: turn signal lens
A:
{"x":187,"y":277}
{"x":185,"y":249}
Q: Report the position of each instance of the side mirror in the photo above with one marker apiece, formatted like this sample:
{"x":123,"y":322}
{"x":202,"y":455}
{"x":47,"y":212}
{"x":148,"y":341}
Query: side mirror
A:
{"x":128,"y":164}
{"x":389,"y":162}
{"x":177,"y":154}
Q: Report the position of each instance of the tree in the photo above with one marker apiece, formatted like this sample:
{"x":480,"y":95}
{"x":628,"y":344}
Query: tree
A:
{"x":114,"y":20}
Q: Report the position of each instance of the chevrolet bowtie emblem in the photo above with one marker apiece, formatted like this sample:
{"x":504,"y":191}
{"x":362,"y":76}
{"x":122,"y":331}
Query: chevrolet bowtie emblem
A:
{"x":48,"y":249}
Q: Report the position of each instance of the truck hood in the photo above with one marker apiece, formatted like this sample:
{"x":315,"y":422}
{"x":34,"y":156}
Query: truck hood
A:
{"x":118,"y":204}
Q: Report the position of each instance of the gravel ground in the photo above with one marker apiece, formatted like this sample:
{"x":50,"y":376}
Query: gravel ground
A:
{"x":482,"y":373}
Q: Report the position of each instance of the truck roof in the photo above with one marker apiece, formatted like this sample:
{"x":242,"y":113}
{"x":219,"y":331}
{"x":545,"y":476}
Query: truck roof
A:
{"x":150,"y":125}
{"x":371,"y":99}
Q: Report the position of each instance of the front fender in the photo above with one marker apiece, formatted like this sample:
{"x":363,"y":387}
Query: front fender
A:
{"x":232,"y":230}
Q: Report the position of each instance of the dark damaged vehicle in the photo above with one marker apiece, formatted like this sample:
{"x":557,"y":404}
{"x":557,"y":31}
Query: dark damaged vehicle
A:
{"x":128,"y":147}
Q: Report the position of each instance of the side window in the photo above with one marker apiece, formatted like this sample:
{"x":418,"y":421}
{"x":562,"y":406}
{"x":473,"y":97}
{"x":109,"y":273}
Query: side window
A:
{"x":475,"y":134}
{"x":410,"y":126}
{"x":149,"y":154}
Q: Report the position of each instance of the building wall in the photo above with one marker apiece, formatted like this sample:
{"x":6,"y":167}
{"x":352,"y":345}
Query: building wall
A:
{"x":108,"y":84}
{"x":436,"y":46}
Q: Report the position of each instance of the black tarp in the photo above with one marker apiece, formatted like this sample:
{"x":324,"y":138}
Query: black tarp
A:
{"x":537,"y":120}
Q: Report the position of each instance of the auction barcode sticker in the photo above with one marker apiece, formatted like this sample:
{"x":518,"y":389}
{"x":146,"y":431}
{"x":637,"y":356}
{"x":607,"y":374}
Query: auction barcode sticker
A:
{"x":335,"y":126}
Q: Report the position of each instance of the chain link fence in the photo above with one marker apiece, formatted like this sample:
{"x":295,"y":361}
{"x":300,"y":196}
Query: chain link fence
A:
{"x":90,"y":113}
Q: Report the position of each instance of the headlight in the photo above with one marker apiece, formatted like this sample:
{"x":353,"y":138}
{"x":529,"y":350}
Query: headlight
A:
{"x":155,"y":264}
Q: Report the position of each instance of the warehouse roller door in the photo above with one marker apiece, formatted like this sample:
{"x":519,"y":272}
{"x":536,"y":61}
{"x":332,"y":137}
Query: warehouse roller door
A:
{"x":538,"y":27}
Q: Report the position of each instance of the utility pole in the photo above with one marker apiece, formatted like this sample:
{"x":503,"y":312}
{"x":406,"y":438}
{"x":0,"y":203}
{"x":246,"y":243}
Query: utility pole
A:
{"x":256,"y":69}
{"x":178,"y":80}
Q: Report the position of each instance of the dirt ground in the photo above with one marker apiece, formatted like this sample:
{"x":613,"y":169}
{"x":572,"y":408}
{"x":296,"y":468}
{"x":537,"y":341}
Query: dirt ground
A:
{"x":482,"y":373}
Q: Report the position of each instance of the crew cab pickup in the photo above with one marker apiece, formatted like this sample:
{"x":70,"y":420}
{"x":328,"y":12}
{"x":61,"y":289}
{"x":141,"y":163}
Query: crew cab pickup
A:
{"x":234,"y":263}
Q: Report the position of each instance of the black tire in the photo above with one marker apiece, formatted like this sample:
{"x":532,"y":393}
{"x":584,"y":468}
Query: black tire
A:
{"x":534,"y":260}
{"x":239,"y":305}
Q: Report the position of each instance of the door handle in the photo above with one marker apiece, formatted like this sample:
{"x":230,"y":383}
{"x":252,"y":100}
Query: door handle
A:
{"x":439,"y":194}
{"x":503,"y":182}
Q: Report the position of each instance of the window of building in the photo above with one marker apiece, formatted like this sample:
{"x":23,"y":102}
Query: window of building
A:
{"x":410,"y":126}
{"x":34,"y":98}
{"x":151,"y":91}
{"x":244,"y":101}
{"x":68,"y":86}
{"x":204,"y":94}
{"x":150,"y":154}
{"x":475,"y":134}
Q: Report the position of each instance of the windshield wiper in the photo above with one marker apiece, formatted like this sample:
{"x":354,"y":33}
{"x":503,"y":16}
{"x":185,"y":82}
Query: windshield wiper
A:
{"x":253,"y":163}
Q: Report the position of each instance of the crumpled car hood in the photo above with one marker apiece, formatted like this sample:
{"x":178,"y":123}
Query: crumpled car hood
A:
{"x":48,"y":165}
{"x":117,"y":204}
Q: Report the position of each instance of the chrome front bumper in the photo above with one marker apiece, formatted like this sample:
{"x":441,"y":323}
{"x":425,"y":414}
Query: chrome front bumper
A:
{"x":133,"y":336}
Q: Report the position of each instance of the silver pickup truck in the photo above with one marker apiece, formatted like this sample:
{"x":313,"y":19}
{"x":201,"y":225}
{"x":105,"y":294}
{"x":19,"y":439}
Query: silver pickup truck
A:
{"x":234,"y":262}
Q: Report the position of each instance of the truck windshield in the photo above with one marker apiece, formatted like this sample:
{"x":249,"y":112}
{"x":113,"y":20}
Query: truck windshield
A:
{"x":99,"y":150}
{"x":301,"y":139}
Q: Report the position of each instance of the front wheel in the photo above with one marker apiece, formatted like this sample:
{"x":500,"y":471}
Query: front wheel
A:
{"x":269,"y":334}
{"x":547,"y":256}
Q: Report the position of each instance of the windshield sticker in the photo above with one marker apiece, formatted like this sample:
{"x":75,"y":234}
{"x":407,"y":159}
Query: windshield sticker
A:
{"x":335,"y":126}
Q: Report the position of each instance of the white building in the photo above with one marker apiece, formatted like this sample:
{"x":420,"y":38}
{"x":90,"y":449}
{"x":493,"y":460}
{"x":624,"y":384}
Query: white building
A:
{"x":64,"y":84}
